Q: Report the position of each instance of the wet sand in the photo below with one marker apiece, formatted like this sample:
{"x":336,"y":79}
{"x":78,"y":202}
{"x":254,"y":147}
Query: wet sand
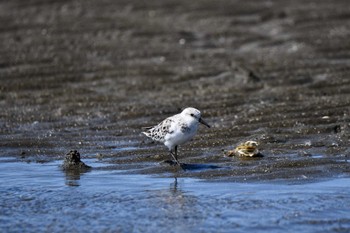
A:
{"x":87,"y":75}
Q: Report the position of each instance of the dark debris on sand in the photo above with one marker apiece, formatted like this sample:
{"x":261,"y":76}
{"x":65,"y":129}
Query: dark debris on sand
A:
{"x":72,"y":162}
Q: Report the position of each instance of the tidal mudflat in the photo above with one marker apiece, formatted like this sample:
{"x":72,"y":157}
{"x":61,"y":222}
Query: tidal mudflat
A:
{"x":88,"y":75}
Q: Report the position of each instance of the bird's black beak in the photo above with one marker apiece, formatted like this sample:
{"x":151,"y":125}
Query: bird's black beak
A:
{"x":203,"y":122}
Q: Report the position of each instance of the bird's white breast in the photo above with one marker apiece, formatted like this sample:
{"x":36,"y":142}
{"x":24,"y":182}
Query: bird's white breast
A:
{"x":180,"y":132}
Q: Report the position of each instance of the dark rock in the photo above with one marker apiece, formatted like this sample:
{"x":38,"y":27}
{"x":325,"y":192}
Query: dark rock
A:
{"x":72,"y":162}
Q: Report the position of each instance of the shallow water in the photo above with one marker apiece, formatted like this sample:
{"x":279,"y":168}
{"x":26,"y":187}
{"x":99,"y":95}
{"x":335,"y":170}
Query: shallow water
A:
{"x":40,"y":197}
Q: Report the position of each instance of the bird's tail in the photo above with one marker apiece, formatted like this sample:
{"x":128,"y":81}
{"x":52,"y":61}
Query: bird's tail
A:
{"x":147,"y":132}
{"x":147,"y":127}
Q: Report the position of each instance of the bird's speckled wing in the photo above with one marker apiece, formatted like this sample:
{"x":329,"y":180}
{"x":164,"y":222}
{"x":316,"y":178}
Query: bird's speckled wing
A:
{"x":158,"y":132}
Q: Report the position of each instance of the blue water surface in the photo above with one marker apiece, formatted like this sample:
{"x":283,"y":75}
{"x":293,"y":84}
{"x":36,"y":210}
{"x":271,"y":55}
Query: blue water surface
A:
{"x":40,"y":197}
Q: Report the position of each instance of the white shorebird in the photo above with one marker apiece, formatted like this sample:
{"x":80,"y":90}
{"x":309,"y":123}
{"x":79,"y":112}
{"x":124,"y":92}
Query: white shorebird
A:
{"x":176,"y":130}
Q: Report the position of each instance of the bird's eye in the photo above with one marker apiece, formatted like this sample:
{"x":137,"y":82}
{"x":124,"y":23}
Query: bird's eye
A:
{"x":192,"y":114}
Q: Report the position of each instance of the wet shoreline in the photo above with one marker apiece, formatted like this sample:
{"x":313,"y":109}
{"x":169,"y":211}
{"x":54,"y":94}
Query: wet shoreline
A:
{"x":88,"y":76}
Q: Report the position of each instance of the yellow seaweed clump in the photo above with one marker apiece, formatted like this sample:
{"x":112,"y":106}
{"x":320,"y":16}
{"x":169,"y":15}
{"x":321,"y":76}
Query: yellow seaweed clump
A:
{"x":246,"y":149}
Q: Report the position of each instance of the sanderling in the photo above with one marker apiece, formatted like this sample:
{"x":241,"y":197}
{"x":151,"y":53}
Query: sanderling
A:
{"x":176,"y":130}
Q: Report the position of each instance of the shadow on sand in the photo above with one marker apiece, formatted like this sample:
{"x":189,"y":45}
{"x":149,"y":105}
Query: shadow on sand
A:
{"x":189,"y":166}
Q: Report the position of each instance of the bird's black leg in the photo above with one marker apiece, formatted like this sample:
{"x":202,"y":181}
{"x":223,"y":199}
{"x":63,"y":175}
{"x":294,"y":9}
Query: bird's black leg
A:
{"x":174,"y":155}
